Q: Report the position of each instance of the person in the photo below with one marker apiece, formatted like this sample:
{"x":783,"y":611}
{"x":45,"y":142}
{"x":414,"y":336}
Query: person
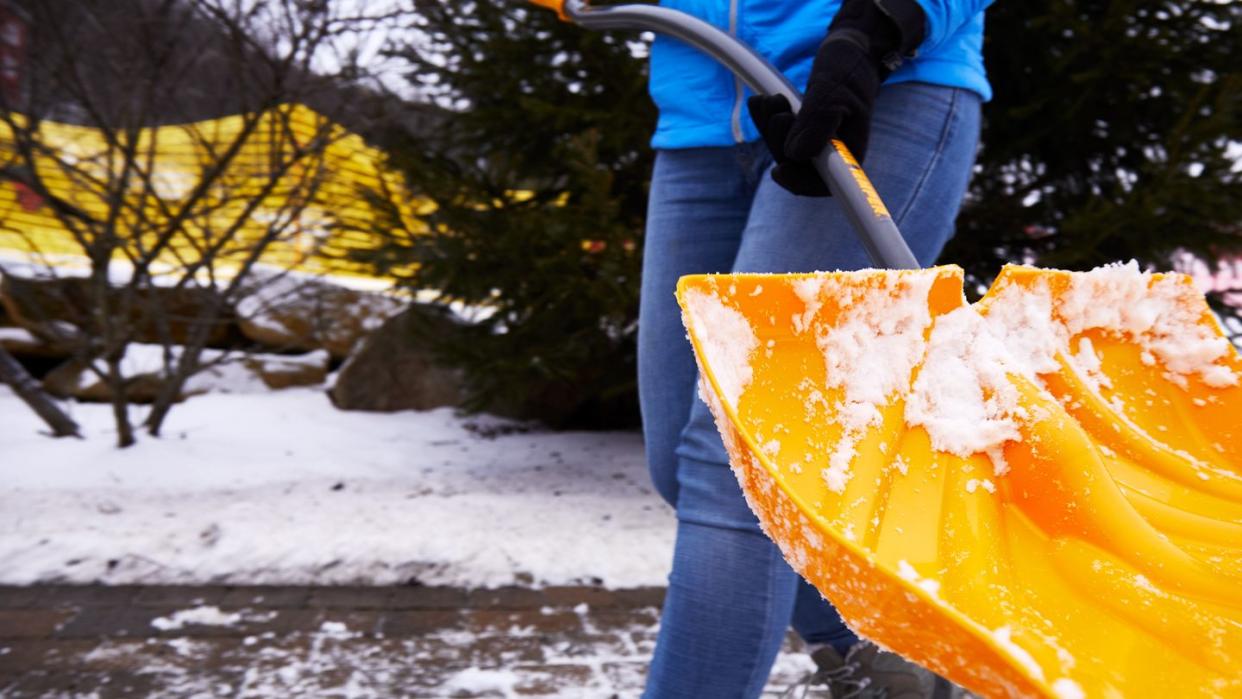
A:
{"x":901,"y":83}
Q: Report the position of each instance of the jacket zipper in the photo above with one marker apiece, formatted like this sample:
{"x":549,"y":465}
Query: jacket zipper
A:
{"x":736,"y":117}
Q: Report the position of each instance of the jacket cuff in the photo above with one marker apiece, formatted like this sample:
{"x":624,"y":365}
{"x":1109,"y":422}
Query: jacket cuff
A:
{"x":910,"y":20}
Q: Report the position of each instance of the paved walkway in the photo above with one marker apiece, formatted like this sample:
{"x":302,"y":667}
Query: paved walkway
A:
{"x":103,"y":642}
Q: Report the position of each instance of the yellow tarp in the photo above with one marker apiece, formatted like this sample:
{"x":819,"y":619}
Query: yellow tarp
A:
{"x":279,"y":168}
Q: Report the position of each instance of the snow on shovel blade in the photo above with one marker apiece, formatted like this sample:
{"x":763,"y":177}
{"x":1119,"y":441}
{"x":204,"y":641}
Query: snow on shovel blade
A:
{"x":1141,"y":363}
{"x":978,"y":489}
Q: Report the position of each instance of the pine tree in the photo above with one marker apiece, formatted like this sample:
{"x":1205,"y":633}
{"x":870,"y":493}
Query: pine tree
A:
{"x":539,"y":173}
{"x":1108,"y":137}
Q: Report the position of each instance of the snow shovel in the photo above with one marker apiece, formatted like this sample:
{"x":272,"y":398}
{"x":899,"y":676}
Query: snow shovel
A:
{"x":1039,"y":495}
{"x":1009,"y":493}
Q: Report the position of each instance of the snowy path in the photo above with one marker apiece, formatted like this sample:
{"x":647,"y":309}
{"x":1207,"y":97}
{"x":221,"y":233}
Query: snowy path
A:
{"x":119,"y":642}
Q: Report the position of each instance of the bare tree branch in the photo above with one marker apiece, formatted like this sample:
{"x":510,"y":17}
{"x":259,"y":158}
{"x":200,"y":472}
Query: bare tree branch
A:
{"x":138,"y":74}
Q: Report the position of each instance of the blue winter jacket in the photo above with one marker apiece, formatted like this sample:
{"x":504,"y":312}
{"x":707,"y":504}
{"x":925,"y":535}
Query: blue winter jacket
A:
{"x":701,"y":104}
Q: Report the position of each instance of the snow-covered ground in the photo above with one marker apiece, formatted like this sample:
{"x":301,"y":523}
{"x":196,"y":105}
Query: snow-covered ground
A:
{"x":282,"y":487}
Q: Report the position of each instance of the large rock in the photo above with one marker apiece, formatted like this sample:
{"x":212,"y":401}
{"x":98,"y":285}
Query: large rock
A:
{"x":224,"y":373}
{"x":289,"y":371}
{"x":75,"y":379}
{"x":291,"y":312}
{"x":393,"y":369}
{"x":60,"y":311}
{"x":20,"y":342}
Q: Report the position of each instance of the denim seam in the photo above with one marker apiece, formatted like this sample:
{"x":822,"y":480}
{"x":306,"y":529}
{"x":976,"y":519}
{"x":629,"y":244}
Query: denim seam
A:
{"x":941,"y":143}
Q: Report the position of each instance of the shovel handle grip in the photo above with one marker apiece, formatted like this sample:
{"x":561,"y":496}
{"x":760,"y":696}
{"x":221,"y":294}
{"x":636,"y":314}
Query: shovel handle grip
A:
{"x":836,"y":165}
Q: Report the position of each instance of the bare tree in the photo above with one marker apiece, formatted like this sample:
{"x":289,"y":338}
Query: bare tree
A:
{"x":24,"y":385}
{"x":190,"y":207}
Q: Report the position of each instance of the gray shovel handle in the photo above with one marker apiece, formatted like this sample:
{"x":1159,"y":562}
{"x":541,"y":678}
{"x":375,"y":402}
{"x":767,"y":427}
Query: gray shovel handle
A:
{"x":842,"y":173}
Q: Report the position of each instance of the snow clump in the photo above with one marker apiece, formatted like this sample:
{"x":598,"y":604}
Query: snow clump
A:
{"x":870,"y":352}
{"x":728,"y":345}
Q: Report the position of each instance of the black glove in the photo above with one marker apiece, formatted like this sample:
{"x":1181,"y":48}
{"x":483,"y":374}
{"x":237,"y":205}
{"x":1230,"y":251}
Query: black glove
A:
{"x":866,"y":42}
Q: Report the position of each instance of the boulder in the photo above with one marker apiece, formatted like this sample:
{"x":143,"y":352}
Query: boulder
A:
{"x":225,"y":373}
{"x":55,"y":311}
{"x":258,"y":373}
{"x":288,"y":371}
{"x":393,"y":369}
{"x":20,"y":342}
{"x":59,"y":311}
{"x":292,"y":312}
{"x":74,"y":379}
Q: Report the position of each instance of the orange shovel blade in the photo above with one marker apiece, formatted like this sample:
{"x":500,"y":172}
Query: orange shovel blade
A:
{"x":1140,"y":362}
{"x":921,"y":476}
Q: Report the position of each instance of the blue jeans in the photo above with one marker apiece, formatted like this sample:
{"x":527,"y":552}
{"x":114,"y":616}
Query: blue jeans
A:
{"x":731,"y":596}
